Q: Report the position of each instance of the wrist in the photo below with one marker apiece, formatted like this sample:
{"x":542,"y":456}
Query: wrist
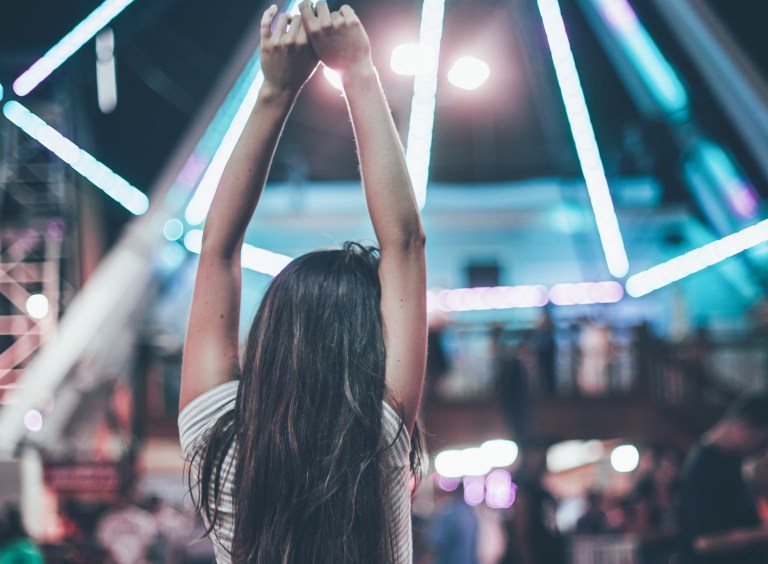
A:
{"x":361,"y":73}
{"x":275,"y":94}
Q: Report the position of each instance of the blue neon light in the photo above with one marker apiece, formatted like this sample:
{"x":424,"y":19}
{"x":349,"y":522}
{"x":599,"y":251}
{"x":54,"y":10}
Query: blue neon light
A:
{"x":115,"y":186}
{"x":654,"y":70}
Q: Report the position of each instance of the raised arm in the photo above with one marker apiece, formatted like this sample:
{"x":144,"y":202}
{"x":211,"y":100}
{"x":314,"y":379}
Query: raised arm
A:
{"x":211,"y":347}
{"x":340,"y":41}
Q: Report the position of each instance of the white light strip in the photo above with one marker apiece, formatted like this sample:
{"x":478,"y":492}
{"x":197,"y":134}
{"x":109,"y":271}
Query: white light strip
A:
{"x":252,"y":258}
{"x":68,"y":45}
{"x":585,"y":293}
{"x":198,"y":206}
{"x":200,"y":203}
{"x":584,"y":138}
{"x":696,"y":260}
{"x":479,"y":299}
{"x":106,"y":75}
{"x":1,"y":92}
{"x":116,"y":187}
{"x":419,"y":143}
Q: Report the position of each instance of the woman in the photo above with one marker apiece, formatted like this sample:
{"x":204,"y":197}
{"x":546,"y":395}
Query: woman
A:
{"x":305,"y":457}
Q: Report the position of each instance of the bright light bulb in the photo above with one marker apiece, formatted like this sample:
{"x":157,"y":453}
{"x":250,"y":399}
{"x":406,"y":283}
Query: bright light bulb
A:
{"x":625,"y":458}
{"x":469,"y":73}
{"x":413,"y":59}
{"x":33,"y":420}
{"x":37,"y":306}
{"x":333,"y":78}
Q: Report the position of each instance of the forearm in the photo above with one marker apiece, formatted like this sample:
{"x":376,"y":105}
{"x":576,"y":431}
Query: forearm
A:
{"x":386,"y":181}
{"x":246,"y":173}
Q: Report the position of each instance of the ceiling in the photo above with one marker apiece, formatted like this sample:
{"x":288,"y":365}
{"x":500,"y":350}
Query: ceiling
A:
{"x":170,"y":53}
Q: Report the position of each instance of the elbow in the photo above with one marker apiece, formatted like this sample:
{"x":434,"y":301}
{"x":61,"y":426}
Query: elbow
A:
{"x":219,"y":247}
{"x":411,"y":240}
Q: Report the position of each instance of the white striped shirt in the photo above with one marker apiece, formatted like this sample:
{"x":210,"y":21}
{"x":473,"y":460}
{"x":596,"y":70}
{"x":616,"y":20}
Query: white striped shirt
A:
{"x":202,"y":412}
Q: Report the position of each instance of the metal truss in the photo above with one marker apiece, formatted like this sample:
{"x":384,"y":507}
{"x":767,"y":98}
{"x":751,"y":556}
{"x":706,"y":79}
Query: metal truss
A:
{"x":35,"y":194}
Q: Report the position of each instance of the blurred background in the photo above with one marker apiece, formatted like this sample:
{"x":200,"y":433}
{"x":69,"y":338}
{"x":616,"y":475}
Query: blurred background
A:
{"x":592,"y":175}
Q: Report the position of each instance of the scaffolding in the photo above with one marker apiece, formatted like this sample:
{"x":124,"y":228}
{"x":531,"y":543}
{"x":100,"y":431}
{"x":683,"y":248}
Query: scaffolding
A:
{"x":36,"y":199}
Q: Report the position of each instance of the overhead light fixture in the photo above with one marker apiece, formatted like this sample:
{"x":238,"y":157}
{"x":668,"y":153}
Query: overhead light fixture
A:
{"x":418,"y":153}
{"x":252,"y":258}
{"x":655,"y":72}
{"x":68,"y":45}
{"x":625,"y":458}
{"x":584,"y":139}
{"x":584,"y":293}
{"x":243,"y":96}
{"x":478,"y":299}
{"x":115,"y":186}
{"x":696,"y":260}
{"x":469,"y":73}
{"x":106,"y":77}
{"x":722,"y":171}
{"x":200,"y":203}
{"x":413,"y":59}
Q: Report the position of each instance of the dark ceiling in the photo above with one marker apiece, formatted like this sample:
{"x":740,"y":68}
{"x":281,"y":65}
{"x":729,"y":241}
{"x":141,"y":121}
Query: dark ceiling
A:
{"x":170,"y":53}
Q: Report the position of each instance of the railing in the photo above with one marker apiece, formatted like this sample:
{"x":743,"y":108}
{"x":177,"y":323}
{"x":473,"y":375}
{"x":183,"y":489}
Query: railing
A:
{"x":604,"y":549}
{"x":597,"y":361}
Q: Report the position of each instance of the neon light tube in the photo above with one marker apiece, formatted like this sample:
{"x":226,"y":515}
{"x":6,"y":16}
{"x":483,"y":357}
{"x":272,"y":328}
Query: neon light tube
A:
{"x":418,"y":151}
{"x":113,"y":185}
{"x":584,"y":139}
{"x":68,"y":45}
{"x":696,"y":260}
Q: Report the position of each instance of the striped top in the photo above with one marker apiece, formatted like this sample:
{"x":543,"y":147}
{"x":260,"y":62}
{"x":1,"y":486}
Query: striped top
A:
{"x":202,"y":412}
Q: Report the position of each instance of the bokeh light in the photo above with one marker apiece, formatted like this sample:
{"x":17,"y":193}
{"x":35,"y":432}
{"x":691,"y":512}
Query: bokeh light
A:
{"x":625,"y":458}
{"x":469,"y":73}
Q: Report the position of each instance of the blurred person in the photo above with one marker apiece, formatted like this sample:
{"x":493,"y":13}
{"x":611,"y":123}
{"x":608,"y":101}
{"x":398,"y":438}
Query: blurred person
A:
{"x":301,"y":450}
{"x":491,"y":542}
{"x":173,"y":529}
{"x":655,"y":495}
{"x":127,"y":532}
{"x":533,"y":534}
{"x":16,"y":546}
{"x":594,"y":521}
{"x":595,"y":352}
{"x":454,"y":529}
{"x":512,"y":386}
{"x":543,"y":343}
{"x":438,"y":363}
{"x":718,"y":517}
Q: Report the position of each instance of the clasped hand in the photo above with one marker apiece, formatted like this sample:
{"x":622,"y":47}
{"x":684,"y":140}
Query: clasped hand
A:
{"x":290,"y":52}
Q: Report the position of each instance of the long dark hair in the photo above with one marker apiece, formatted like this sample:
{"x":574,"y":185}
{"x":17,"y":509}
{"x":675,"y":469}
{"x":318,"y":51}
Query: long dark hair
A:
{"x":307,"y":424}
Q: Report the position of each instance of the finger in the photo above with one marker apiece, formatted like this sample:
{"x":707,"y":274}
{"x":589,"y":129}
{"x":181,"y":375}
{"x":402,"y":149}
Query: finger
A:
{"x":337,"y":19}
{"x":308,"y":16}
{"x":281,"y":27}
{"x":347,"y":11}
{"x":294,"y":28}
{"x":266,"y":22}
{"x":323,"y":14}
{"x":301,"y":35}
